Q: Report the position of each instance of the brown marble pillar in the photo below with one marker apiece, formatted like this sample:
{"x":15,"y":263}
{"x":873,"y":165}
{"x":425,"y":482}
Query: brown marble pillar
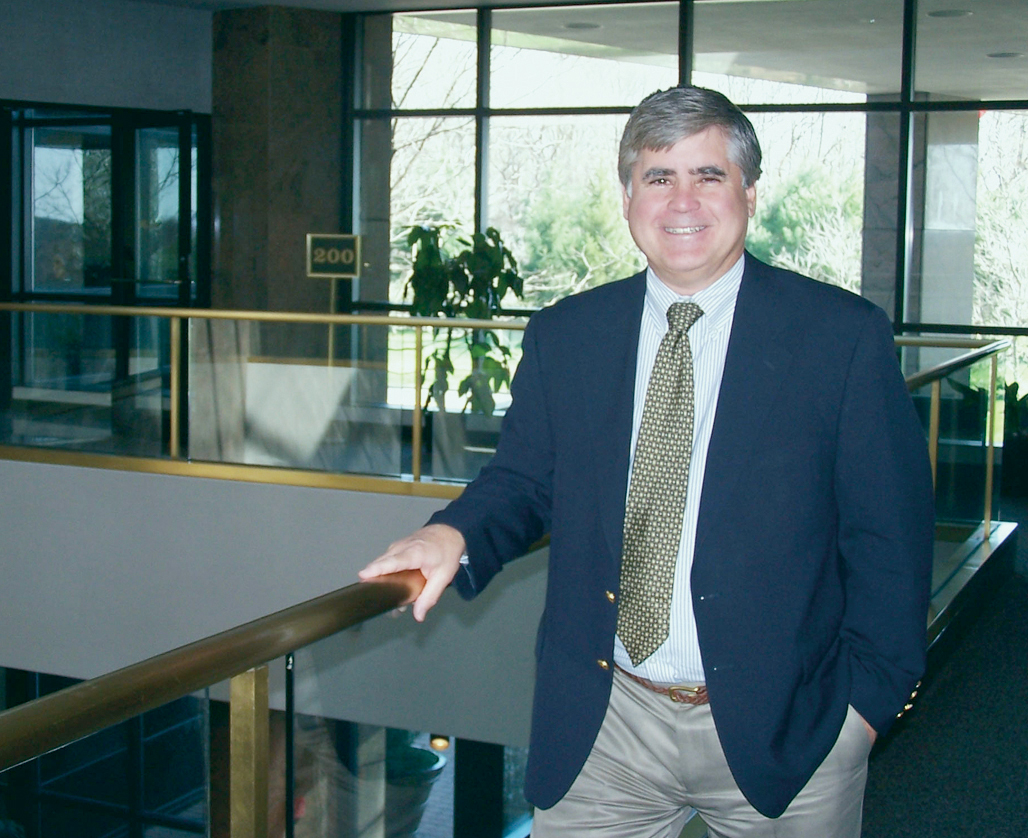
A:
{"x":277,"y":123}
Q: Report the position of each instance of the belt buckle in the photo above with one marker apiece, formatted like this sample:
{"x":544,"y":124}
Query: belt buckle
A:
{"x":684,"y":695}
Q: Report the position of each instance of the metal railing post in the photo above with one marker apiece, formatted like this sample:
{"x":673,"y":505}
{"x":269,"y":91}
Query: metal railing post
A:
{"x":933,"y":428}
{"x":990,"y":450}
{"x":175,"y":385}
{"x":416,"y":416}
{"x":248,"y":754}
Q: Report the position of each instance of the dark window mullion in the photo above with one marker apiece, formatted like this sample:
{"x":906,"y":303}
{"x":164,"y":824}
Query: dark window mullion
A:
{"x":904,"y":214}
{"x":485,"y":21}
{"x":686,"y":45}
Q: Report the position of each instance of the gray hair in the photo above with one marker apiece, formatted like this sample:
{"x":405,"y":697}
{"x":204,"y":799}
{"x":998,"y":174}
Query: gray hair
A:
{"x":668,"y":116}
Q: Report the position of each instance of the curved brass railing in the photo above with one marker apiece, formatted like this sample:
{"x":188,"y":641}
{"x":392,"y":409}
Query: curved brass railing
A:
{"x":39,"y":726}
{"x":183,"y":465}
{"x":933,"y":377}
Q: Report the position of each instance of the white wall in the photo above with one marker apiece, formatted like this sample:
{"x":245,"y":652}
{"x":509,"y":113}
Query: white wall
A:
{"x":104,"y":568}
{"x":111,"y":53}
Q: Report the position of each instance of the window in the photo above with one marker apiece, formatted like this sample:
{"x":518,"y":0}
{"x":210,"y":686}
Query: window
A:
{"x":892,"y":170}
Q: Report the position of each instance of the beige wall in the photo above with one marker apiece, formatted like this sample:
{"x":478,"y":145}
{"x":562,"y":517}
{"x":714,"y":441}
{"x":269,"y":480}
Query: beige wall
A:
{"x":104,"y":568}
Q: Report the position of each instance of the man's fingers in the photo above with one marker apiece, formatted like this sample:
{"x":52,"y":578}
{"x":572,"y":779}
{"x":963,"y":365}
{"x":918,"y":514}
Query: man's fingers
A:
{"x":434,"y":550}
{"x":383,"y":566}
{"x":435,"y":584}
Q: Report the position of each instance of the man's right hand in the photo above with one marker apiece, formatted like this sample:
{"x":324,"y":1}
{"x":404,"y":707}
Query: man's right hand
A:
{"x":434,"y":550}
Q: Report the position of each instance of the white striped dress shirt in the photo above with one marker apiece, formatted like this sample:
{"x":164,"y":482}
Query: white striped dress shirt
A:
{"x":678,"y":661}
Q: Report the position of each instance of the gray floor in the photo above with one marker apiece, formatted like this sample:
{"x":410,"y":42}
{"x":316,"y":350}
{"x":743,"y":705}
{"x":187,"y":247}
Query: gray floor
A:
{"x":958,"y":767}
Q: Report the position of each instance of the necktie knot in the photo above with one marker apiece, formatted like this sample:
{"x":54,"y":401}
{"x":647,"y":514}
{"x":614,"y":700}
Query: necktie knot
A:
{"x":681,"y":316}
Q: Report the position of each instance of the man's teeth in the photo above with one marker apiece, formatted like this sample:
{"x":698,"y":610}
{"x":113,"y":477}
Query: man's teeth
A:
{"x":682,"y":230}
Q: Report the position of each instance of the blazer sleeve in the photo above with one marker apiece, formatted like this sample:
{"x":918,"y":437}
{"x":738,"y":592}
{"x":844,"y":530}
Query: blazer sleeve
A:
{"x":506,"y":509}
{"x":886,"y":529}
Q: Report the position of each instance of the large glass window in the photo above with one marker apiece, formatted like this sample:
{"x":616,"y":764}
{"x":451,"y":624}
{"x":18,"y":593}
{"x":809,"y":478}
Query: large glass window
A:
{"x":435,"y":59}
{"x":810,"y":198}
{"x":970,"y":51}
{"x":902,"y":183}
{"x":554,"y":190}
{"x":816,"y":51}
{"x":582,"y":56}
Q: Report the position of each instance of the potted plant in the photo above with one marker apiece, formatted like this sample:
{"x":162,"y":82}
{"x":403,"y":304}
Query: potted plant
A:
{"x":470,"y":283}
{"x":1015,"y":442}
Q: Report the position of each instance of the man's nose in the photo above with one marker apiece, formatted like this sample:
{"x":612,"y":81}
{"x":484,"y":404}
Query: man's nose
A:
{"x":683,"y":198}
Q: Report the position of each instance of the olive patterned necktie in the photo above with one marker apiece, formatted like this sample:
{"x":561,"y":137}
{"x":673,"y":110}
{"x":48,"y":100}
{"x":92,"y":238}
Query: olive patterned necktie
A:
{"x":656,"y":494}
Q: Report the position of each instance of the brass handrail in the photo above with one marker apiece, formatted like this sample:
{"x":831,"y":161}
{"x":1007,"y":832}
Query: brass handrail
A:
{"x":266,"y":316}
{"x":979,"y":349}
{"x":39,"y":726}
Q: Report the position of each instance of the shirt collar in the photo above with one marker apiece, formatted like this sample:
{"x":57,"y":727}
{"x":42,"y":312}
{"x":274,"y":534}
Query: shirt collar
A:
{"x":717,"y":300}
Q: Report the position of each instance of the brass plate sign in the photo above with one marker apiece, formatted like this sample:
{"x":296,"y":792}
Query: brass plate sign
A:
{"x":333,"y":255}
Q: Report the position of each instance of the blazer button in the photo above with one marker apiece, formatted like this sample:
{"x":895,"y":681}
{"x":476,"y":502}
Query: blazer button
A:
{"x":603,"y":664}
{"x":610,"y":596}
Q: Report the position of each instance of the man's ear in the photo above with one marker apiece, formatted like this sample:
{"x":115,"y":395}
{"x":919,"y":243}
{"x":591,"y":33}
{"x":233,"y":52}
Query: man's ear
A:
{"x":751,"y":199}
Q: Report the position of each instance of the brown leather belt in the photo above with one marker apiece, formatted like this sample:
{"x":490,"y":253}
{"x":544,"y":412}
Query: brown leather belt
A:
{"x":678,"y":694}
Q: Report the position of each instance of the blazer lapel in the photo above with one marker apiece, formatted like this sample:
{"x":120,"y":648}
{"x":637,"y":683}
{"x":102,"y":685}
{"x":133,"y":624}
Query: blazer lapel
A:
{"x":756,"y":368}
{"x":615,"y":444}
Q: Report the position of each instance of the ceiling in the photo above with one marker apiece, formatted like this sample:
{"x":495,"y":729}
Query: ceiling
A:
{"x":966,"y":49}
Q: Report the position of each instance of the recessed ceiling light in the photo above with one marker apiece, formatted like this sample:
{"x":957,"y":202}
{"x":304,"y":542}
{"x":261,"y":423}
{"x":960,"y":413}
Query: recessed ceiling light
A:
{"x":1006,"y":55}
{"x":581,"y":25}
{"x":951,"y":13}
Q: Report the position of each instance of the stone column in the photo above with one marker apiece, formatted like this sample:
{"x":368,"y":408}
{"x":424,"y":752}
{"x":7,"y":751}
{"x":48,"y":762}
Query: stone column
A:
{"x":277,"y":130}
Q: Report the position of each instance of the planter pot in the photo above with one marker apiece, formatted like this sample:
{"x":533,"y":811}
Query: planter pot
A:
{"x":410,"y":774}
{"x":462,"y":443}
{"x":1014,"y":482}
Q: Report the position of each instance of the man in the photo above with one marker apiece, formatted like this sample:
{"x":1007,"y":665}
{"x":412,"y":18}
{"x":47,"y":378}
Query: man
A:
{"x":740,"y":511}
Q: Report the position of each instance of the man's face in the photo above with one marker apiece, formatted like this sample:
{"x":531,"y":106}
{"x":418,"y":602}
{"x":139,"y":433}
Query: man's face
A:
{"x":688,"y":210}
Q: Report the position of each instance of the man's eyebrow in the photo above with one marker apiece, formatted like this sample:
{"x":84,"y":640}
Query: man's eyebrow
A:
{"x":709,"y":170}
{"x":657,"y":172}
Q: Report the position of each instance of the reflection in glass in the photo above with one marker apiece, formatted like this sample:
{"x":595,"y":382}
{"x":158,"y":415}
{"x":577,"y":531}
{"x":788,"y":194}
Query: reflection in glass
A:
{"x":581,"y":56}
{"x":434,"y":60}
{"x":350,"y":775}
{"x":555,"y":196}
{"x":812,"y":51}
{"x":810,"y":197}
{"x":71,"y":208}
{"x":144,"y":776}
{"x":979,"y":54}
{"x":89,"y":382}
{"x":249,"y":405}
{"x":157,"y":197}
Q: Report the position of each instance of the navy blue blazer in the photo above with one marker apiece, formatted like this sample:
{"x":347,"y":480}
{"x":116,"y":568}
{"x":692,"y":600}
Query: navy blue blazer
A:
{"x":814,"y":543}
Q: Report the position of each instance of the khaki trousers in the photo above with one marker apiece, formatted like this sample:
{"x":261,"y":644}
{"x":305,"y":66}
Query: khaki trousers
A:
{"x":654,"y":760}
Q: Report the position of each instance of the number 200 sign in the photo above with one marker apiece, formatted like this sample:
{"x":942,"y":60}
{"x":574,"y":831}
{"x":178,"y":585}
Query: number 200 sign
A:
{"x":333,"y":255}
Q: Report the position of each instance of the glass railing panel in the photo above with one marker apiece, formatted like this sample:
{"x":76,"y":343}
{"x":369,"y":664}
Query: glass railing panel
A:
{"x":1012,"y":420}
{"x":147,"y":775}
{"x":963,"y":446}
{"x":298,"y":395}
{"x":88,"y":383}
{"x":349,"y":776}
{"x":466,"y":404}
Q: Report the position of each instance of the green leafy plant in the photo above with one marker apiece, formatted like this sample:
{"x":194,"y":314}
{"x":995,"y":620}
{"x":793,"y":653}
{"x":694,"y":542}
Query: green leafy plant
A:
{"x":471,"y":283}
{"x":1015,"y":411}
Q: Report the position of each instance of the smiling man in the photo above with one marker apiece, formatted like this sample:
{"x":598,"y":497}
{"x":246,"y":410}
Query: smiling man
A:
{"x":740,"y":511}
